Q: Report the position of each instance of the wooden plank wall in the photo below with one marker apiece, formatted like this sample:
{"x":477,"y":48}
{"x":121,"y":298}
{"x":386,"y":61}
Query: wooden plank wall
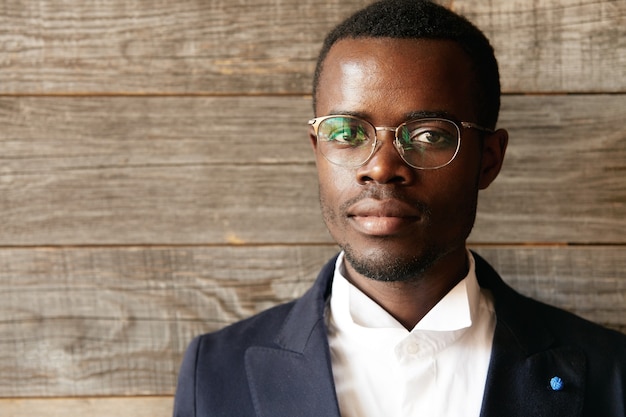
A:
{"x":156,"y":181}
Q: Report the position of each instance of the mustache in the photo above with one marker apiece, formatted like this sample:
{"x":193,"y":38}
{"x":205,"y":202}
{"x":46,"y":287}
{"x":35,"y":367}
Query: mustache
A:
{"x":386,"y":193}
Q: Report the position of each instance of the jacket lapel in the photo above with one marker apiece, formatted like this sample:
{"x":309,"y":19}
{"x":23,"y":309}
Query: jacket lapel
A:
{"x":294,"y":378}
{"x":528,"y":375}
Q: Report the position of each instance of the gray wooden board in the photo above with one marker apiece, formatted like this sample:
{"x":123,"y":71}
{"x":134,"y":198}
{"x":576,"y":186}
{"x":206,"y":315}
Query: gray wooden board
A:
{"x":264,"y":46}
{"x":140,"y":406}
{"x":198,"y":170}
{"x":115,"y":321}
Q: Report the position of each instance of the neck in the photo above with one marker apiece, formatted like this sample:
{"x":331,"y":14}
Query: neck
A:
{"x":409,"y":301}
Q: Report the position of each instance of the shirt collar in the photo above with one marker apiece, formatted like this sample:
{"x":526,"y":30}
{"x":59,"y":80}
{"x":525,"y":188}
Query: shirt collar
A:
{"x":455,"y":311}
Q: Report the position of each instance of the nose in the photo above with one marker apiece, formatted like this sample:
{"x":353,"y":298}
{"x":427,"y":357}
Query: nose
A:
{"x":385,"y":166}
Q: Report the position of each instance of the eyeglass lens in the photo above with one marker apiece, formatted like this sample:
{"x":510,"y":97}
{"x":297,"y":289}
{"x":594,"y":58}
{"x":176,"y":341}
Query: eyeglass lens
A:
{"x":424,"y":143}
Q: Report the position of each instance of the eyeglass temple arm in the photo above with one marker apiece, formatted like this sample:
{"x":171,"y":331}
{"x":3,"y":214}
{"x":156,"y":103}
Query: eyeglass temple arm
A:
{"x":469,"y":125}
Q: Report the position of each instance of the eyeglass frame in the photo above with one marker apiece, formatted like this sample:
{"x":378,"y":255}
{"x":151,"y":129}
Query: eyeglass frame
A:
{"x":315,"y":122}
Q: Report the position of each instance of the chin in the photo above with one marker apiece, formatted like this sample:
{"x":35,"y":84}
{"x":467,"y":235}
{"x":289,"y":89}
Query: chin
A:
{"x":384,"y":266}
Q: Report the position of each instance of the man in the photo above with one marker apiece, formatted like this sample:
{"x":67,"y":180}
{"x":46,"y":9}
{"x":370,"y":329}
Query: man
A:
{"x":406,"y":321}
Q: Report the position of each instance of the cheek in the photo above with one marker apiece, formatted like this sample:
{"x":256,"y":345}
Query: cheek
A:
{"x":326,"y":187}
{"x":331,"y":177}
{"x":454,"y":207}
{"x":454,"y":186}
{"x":334,"y":186}
{"x":463,"y":174}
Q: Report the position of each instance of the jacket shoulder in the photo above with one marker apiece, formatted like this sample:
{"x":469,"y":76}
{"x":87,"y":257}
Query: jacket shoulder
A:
{"x":212,"y":377}
{"x":569,"y":328}
{"x":259,"y":329}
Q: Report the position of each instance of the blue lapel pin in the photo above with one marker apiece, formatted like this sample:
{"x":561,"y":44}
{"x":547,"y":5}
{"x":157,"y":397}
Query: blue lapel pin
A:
{"x":556,"y":383}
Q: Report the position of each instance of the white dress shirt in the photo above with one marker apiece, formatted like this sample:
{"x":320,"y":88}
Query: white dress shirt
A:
{"x":437,"y":369}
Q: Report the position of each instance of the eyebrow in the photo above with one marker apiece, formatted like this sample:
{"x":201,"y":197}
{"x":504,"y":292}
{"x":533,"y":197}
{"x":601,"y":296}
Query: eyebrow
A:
{"x":358,"y":114}
{"x":419,"y":114}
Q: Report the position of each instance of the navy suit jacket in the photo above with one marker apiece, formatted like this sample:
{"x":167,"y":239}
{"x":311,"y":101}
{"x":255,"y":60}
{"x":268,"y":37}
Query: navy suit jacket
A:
{"x":277,"y":363}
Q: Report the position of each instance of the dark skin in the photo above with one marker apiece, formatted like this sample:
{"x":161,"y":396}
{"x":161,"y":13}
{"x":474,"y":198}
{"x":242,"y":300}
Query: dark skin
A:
{"x":404,"y":230}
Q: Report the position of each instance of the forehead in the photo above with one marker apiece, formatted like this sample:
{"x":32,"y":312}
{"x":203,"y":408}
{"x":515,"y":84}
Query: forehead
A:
{"x":373,"y":74}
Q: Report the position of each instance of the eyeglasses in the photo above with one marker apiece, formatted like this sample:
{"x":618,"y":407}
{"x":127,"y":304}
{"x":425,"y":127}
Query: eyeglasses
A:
{"x":426,"y":143}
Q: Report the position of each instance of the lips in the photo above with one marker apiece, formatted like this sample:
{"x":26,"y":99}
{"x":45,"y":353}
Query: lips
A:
{"x":383,"y":217}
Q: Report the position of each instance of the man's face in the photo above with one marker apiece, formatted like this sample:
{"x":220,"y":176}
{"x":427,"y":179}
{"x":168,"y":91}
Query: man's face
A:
{"x":393,"y":221}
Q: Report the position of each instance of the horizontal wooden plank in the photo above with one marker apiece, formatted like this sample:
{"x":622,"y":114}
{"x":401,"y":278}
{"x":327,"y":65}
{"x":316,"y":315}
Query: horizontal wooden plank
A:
{"x":185,"y":46}
{"x":115,"y":321}
{"x":172,"y":170}
{"x":554,"y":45}
{"x":263,"y":46}
{"x":92,"y":407}
{"x":589,"y":281}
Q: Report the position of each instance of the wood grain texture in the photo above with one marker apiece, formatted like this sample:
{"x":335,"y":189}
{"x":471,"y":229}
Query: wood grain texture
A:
{"x":589,"y":281}
{"x":142,"y":46}
{"x":116,"y":321}
{"x":106,"y":322}
{"x":269,"y":47}
{"x":554,"y":46}
{"x":564,"y":175}
{"x":119,"y":170}
{"x":86,"y":406}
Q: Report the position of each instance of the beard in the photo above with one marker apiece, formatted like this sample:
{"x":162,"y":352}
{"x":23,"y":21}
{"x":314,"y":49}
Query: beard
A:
{"x":385,"y":268}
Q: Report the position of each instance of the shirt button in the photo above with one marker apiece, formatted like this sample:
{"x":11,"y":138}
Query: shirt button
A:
{"x":412,"y":348}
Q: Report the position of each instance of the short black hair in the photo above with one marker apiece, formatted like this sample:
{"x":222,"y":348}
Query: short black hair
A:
{"x":422,"y":19}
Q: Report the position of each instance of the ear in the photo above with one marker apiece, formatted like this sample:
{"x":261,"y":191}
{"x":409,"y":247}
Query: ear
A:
{"x":494,"y":148}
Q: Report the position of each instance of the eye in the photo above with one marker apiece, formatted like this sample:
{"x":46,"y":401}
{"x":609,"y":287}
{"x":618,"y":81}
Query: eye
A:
{"x":431,"y":137}
{"x":344,"y":131}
